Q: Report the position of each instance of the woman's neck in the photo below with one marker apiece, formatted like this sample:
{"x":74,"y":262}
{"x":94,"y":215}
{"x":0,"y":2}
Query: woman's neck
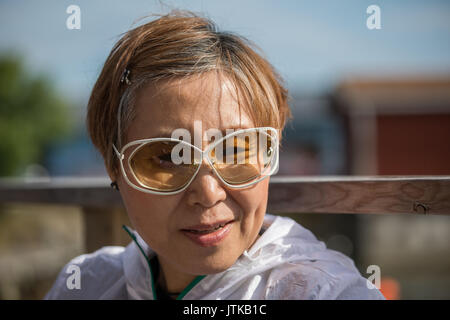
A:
{"x":172,"y":280}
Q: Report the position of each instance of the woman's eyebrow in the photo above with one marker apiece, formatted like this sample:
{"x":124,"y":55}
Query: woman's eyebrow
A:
{"x":167,"y":133}
{"x":160,"y":134}
{"x":233,"y":129}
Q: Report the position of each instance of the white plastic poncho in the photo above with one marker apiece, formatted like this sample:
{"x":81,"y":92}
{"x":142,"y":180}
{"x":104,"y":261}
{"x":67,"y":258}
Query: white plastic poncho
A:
{"x":286,"y":262}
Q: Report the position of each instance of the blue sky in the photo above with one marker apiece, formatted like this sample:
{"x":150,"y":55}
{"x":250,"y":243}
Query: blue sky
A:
{"x":313,"y":44}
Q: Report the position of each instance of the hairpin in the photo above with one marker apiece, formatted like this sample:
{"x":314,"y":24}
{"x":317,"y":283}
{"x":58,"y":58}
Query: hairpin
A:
{"x":124,"y":77}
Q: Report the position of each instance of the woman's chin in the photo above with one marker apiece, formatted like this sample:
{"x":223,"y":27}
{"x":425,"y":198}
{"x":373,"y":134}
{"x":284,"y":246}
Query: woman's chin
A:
{"x":209,"y":265}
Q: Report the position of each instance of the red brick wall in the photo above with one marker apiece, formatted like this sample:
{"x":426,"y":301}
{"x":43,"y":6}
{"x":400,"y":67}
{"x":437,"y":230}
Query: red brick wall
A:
{"x":413,"y":144}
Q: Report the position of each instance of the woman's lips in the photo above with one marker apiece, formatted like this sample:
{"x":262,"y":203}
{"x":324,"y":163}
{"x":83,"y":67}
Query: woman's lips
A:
{"x":209,"y":239}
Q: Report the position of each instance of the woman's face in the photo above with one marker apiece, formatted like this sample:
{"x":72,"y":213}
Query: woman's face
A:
{"x":161,"y":219}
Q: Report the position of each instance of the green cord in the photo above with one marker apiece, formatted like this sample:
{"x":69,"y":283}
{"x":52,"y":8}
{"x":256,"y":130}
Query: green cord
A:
{"x":146,"y":258}
{"x":190,"y":286}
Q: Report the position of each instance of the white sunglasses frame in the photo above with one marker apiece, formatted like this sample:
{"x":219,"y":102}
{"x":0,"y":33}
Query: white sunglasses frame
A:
{"x":204,"y":154}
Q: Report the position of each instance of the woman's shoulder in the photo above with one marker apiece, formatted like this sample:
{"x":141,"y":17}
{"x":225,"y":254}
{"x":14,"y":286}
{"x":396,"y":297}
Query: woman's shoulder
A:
{"x":310,"y":270}
{"x":319,"y":279}
{"x":94,"y":275}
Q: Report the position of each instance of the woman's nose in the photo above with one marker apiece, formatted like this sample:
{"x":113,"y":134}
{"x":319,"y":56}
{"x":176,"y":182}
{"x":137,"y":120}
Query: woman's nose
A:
{"x":206,"y":189}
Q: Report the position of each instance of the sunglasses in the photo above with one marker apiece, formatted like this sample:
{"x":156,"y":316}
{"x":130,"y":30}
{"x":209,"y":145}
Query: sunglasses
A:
{"x":168,"y":166}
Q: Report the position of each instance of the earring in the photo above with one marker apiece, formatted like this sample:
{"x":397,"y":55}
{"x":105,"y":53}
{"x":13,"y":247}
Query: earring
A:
{"x":114,"y":185}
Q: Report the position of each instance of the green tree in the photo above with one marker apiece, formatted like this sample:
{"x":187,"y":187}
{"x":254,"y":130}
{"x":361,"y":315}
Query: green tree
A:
{"x":32,"y":116}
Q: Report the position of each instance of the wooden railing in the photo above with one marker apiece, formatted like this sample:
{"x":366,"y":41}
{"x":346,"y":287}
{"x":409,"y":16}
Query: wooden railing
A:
{"x":104,"y":213}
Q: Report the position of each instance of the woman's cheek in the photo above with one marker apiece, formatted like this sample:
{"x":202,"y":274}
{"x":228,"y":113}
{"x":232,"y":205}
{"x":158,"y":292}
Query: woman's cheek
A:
{"x":254,"y":199}
{"x":142,"y":209}
{"x":253,"y":203}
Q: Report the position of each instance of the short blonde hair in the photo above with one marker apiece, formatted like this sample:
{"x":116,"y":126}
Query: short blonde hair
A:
{"x":179,"y":44}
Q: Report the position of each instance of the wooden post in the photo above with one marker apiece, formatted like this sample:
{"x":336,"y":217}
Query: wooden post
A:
{"x":103,"y":227}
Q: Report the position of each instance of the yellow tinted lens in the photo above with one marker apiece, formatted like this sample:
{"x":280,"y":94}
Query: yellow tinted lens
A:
{"x":243,"y":157}
{"x":155,"y":167}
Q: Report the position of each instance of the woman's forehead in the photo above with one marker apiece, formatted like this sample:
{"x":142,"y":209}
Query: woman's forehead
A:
{"x":206,"y":101}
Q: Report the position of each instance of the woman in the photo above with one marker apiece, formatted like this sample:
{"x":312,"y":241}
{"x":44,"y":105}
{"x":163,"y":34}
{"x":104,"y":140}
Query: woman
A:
{"x":188,"y":120}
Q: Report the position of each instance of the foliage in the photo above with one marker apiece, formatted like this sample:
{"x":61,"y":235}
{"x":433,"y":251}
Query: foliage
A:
{"x":32,"y":116}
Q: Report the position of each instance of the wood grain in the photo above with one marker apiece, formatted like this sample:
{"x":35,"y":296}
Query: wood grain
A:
{"x":360,"y":195}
